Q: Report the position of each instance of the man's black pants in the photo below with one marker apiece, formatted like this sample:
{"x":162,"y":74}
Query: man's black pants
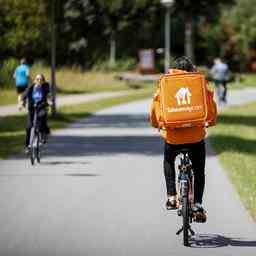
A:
{"x":197,"y":157}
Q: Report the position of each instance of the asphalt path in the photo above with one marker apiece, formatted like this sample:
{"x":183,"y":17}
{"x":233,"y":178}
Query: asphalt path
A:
{"x":100,"y":191}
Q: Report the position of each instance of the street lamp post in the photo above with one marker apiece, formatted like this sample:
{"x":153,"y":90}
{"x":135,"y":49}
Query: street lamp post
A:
{"x":168,"y":4}
{"x":53,"y":58}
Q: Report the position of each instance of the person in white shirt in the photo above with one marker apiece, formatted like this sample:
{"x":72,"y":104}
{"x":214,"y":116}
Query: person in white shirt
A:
{"x":220,"y":75}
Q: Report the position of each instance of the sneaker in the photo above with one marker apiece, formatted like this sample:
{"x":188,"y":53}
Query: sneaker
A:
{"x":20,"y":106}
{"x":171,"y":203}
{"x":199,"y":214}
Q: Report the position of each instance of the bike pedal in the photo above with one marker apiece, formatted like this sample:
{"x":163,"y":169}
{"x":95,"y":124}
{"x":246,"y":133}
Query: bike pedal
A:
{"x":192,"y":232}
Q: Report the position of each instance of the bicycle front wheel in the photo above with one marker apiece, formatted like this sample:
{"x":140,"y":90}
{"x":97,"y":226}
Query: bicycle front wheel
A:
{"x":37,"y":150}
{"x":32,"y":155}
{"x":185,"y":216}
{"x":31,"y":144}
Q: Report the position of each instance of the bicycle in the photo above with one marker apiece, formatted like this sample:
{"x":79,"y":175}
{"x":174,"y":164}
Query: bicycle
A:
{"x":36,"y":136}
{"x":185,"y":195}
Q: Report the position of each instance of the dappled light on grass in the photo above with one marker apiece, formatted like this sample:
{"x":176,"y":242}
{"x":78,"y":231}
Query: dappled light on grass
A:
{"x":234,"y":139}
{"x":71,"y":80}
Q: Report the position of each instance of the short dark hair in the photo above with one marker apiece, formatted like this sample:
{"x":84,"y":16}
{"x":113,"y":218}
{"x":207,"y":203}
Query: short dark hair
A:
{"x":184,"y":63}
{"x":23,"y":61}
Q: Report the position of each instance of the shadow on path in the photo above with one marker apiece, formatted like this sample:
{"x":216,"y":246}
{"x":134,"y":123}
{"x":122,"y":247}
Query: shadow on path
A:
{"x":215,"y":241}
{"x":64,"y":162}
{"x":84,"y":144}
{"x":247,"y":120}
{"x":51,"y":175}
{"x":82,"y":175}
{"x":228,"y":143}
{"x":68,"y":146}
{"x":114,"y":121}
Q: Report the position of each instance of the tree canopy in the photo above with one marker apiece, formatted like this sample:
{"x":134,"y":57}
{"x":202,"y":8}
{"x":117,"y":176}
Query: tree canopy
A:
{"x":86,"y":27}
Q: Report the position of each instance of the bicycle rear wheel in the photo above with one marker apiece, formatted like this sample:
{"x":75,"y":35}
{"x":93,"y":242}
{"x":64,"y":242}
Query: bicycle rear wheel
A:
{"x":185,"y":216}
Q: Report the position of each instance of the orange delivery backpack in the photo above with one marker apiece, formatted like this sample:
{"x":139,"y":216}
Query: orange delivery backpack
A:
{"x":183,"y":100}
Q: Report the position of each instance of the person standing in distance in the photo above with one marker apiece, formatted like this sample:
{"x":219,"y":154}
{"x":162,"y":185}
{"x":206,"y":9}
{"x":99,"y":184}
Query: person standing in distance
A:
{"x":220,"y":75}
{"x":22,"y":78}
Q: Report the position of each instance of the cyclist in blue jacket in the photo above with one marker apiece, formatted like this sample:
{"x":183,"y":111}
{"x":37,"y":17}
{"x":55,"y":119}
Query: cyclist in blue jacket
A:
{"x":37,"y":94}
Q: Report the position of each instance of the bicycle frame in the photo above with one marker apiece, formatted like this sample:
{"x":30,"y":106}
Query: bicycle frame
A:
{"x":185,"y":178}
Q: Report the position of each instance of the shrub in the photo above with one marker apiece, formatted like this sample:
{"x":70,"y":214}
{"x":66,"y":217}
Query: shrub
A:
{"x":6,"y":72}
{"x":121,"y":65}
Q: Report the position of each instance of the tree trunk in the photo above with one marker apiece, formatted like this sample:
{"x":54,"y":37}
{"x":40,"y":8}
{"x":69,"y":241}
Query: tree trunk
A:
{"x":189,"y":39}
{"x":167,"y":40}
{"x":112,"y":57}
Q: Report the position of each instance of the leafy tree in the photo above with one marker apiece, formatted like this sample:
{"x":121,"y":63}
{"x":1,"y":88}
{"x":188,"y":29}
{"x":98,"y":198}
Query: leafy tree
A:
{"x":100,"y":24}
{"x":241,"y":21}
{"x":22,"y":28}
{"x":92,"y":30}
{"x":192,"y":12}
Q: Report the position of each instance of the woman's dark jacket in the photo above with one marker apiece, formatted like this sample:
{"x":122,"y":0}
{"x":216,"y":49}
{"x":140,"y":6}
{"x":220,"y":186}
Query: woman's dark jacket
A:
{"x":28,"y":95}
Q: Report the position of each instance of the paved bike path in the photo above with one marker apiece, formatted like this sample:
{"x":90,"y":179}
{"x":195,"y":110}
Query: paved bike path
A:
{"x":100,"y":191}
{"x":72,"y":99}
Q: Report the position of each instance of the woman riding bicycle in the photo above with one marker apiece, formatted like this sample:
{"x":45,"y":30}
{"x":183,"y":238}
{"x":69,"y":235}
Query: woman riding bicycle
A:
{"x":191,"y":138}
{"x":37,"y":95}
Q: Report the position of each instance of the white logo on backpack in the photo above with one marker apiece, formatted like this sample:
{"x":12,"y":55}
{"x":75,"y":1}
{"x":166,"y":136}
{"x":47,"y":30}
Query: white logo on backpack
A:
{"x":183,"y":96}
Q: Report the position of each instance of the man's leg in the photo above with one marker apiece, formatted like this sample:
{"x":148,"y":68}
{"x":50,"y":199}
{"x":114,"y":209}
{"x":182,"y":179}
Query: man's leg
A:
{"x":169,"y":170}
{"x":19,"y":101}
{"x":20,"y":91}
{"x":224,"y":93}
{"x":198,"y":162}
{"x":218,"y":87}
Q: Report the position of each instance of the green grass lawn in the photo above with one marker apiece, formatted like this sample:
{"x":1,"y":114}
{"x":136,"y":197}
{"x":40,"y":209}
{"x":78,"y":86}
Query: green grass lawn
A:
{"x":234,"y":139}
{"x":12,"y":128}
{"x":247,"y":80}
{"x":73,"y":81}
{"x":8,"y":97}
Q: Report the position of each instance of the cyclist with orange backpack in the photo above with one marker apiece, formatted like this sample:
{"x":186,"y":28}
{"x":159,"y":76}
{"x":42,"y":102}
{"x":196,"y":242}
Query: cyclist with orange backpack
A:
{"x":188,"y":131}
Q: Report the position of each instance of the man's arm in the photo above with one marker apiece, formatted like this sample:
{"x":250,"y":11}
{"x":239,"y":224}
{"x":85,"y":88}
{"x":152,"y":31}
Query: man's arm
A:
{"x":213,"y":71}
{"x":212,"y":109}
{"x":155,"y":110}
